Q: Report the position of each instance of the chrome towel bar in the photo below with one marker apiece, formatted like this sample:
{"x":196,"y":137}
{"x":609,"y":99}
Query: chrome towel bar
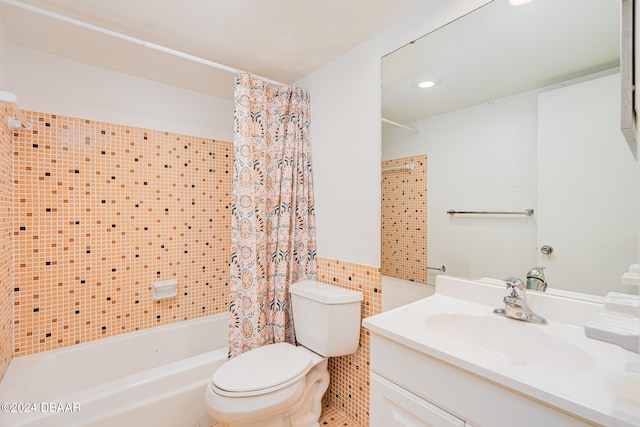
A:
{"x":527,"y":212}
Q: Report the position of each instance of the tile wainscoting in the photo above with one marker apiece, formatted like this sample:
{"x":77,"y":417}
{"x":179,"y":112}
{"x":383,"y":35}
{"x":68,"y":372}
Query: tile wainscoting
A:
{"x":349,"y":388}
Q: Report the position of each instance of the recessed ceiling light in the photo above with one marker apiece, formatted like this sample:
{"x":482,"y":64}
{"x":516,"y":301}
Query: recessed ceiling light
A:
{"x":425,"y":84}
{"x":518,"y":2}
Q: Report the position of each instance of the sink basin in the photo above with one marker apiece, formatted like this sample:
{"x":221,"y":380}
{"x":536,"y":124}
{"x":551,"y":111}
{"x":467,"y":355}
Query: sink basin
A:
{"x":512,"y":341}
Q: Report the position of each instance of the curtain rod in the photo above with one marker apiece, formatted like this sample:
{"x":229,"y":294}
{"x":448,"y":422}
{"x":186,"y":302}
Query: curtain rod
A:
{"x":391,"y":122}
{"x":12,"y":100}
{"x":130,"y":39}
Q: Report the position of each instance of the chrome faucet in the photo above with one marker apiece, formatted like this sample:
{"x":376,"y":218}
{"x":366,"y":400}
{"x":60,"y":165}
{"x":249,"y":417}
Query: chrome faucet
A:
{"x":515,"y":304}
{"x":535,"y":279}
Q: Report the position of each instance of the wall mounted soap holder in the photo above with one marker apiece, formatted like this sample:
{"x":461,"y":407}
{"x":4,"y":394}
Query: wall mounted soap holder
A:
{"x":165,"y":289}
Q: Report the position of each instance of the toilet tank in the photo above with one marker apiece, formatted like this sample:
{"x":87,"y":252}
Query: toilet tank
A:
{"x":326,"y":317}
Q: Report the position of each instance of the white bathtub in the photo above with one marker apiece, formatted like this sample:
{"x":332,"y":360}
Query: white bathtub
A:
{"x":397,"y":292}
{"x":155,"y":378}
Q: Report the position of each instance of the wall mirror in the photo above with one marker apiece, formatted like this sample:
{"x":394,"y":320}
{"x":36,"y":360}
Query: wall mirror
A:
{"x":519,"y":120}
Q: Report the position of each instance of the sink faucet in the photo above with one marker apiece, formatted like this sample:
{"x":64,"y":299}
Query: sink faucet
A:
{"x":515,"y":304}
{"x":535,"y":279}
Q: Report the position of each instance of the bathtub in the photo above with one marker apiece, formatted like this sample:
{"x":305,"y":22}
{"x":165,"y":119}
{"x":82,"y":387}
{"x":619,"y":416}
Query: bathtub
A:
{"x":397,"y":292}
{"x":155,"y":377}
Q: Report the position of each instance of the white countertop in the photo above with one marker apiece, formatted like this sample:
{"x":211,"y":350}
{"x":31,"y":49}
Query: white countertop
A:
{"x":591,"y":379}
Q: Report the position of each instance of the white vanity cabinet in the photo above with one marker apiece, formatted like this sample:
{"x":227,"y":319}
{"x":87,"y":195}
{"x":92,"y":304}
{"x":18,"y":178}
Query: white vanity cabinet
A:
{"x":449,"y":360}
{"x":411,"y":389}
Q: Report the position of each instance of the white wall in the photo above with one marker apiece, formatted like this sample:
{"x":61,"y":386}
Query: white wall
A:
{"x":479,"y":158}
{"x":345,"y":108}
{"x":586,"y":180}
{"x":56,"y":85}
{"x":5,"y":59}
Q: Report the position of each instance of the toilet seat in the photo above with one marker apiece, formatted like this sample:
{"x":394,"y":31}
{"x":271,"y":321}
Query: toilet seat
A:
{"x":261,"y":370}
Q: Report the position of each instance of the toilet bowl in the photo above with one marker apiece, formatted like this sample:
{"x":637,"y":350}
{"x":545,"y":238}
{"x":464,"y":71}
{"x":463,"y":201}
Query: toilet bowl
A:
{"x":282,"y":384}
{"x":267,"y":383}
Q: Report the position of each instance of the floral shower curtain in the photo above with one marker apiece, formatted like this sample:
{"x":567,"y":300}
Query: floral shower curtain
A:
{"x":273,"y":221}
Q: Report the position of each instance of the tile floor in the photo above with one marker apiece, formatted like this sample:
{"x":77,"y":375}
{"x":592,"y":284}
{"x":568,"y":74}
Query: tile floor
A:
{"x":332,"y":418}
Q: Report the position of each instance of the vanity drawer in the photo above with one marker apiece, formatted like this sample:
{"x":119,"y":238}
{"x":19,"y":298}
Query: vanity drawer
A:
{"x":393,"y":406}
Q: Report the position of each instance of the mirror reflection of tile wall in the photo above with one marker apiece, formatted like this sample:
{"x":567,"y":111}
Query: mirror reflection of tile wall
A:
{"x":404,"y":219}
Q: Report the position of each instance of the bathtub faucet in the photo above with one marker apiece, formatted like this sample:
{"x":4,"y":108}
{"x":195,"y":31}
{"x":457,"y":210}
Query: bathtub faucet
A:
{"x":515,"y":303}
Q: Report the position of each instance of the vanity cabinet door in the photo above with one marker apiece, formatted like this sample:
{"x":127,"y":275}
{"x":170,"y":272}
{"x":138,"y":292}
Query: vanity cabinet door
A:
{"x":393,"y":406}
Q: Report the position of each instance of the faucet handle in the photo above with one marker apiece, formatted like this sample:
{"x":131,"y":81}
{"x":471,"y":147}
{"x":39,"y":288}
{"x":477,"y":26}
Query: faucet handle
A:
{"x":515,"y":286}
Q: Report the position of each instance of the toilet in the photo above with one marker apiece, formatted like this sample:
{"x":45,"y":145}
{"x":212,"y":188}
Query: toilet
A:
{"x":281,"y":385}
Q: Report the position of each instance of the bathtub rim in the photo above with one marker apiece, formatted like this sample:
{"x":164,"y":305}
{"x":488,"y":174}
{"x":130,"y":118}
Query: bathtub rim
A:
{"x":119,"y":337}
{"x":92,"y":394}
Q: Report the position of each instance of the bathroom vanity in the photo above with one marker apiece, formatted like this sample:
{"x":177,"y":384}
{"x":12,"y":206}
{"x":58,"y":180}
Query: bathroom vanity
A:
{"x":448,"y":360}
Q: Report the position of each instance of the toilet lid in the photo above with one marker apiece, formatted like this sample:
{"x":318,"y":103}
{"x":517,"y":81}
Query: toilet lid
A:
{"x":262,"y":368}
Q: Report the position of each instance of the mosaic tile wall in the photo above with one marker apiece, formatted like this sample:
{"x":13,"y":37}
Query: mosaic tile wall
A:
{"x":404,"y":219}
{"x":103,"y":211}
{"x":349,"y":388}
{"x":6,"y":248}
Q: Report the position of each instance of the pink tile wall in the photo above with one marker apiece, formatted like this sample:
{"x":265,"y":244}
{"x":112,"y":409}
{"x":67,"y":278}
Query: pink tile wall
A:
{"x":6,"y":248}
{"x":102,"y":212}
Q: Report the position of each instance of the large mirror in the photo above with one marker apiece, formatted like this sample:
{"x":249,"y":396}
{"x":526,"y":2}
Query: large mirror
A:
{"x":519,"y":127}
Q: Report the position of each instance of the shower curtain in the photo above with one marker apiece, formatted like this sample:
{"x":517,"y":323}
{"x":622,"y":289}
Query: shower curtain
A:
{"x":273,"y":221}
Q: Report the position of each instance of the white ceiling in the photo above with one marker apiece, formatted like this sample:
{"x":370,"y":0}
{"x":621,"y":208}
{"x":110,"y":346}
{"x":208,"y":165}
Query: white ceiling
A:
{"x":283,"y":40}
{"x":500,"y":50}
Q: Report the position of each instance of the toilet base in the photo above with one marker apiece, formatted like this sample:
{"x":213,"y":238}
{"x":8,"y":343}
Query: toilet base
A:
{"x":304,"y":413}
